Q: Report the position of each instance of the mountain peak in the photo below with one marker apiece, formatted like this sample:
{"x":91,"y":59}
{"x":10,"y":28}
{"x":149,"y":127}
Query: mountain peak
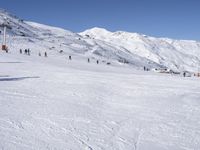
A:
{"x":98,"y":29}
{"x":101,"y":33}
{"x":96,"y":32}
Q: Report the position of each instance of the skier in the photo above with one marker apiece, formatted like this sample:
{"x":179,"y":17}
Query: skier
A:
{"x":144,"y":68}
{"x":45,"y":54}
{"x":88,"y":60}
{"x":28,"y":51}
{"x":97,"y":62}
{"x":184,"y":74}
{"x":25,"y":51}
{"x":70,"y":57}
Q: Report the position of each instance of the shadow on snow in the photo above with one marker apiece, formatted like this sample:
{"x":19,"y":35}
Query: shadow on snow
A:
{"x":17,"y":78}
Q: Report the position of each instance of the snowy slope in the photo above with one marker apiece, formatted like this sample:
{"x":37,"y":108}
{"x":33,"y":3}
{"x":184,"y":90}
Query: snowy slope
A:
{"x":55,"y":103}
{"x":174,"y":54}
{"x":134,"y":49}
{"x":51,"y":103}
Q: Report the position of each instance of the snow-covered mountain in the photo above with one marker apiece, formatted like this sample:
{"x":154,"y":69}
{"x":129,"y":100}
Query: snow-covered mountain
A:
{"x":174,"y":54}
{"x":134,"y":49}
{"x":53,"y":103}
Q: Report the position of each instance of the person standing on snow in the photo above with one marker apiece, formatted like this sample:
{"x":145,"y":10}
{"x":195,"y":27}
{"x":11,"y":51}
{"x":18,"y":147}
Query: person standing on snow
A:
{"x":28,"y":51}
{"x":184,"y":74}
{"x":45,"y":54}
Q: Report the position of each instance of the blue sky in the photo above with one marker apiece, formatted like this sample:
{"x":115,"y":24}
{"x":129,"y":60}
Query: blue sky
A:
{"x":178,"y":19}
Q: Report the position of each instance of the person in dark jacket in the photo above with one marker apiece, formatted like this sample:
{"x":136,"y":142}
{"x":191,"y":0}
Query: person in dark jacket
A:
{"x":184,"y":74}
{"x":25,"y":51}
{"x":28,"y":51}
{"x":45,"y":54}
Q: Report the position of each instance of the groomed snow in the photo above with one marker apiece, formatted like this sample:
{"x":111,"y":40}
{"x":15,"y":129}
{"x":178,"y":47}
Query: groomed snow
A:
{"x":54,"y":103}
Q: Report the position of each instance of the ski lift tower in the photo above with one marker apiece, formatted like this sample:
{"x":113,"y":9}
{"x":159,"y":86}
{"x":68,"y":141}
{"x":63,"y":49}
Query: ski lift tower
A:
{"x":5,"y":26}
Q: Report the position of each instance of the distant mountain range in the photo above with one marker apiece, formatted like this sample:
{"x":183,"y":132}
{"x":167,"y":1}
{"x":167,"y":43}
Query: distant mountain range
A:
{"x":134,"y":49}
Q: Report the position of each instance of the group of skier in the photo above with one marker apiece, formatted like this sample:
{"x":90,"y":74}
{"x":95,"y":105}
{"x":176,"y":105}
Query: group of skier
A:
{"x":26,"y":51}
{"x":88,"y":60}
{"x":146,"y":69}
{"x":45,"y":54}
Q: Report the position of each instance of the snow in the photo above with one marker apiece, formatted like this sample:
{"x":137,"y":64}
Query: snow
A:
{"x":54,"y":103}
{"x":136,"y":50}
{"x":57,"y":103}
{"x":178,"y":55}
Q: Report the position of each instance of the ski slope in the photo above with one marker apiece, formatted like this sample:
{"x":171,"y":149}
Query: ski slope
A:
{"x":55,"y":103}
{"x":136,"y":50}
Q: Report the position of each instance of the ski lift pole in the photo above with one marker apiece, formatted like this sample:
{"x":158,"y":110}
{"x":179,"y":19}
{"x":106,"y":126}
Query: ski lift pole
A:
{"x":5,"y":26}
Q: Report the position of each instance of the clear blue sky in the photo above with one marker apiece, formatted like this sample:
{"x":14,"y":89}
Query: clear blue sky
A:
{"x":179,"y":19}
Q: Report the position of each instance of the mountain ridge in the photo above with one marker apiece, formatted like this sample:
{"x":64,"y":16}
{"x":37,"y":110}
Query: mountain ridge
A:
{"x":134,"y":49}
